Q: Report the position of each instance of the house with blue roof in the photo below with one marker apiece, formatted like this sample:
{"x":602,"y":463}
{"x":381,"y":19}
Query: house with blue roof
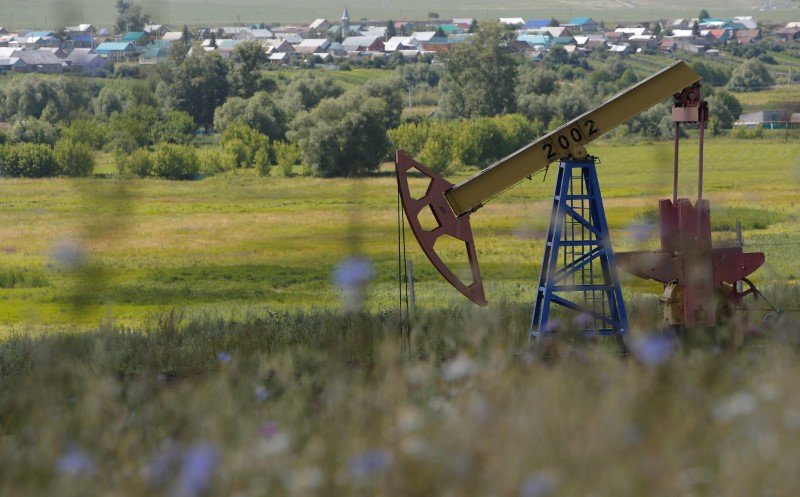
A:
{"x":537,"y":23}
{"x":535,"y":40}
{"x":82,"y":40}
{"x":583,"y":24}
{"x":116,"y":50}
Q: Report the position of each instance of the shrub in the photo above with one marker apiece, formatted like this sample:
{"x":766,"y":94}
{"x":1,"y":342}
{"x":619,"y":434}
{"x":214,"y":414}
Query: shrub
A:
{"x":28,"y":160}
{"x":215,"y":161}
{"x":34,"y":131}
{"x":287,"y":155}
{"x":176,"y":162}
{"x":74,"y":159}
{"x":139,"y":162}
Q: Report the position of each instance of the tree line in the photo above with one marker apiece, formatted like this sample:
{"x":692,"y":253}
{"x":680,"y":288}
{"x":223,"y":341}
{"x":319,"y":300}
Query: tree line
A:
{"x":491,"y":102}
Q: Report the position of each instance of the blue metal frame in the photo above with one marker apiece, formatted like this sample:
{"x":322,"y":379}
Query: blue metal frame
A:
{"x":578,"y":237}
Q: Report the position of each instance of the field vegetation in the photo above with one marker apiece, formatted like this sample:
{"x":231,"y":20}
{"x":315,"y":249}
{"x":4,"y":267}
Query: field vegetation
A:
{"x":169,"y":323}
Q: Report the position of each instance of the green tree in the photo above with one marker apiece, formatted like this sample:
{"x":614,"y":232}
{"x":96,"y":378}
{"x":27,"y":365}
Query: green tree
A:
{"x":752,"y":75}
{"x":139,"y":162}
{"x":74,"y":159}
{"x":703,"y":14}
{"x":28,"y":160}
{"x":410,"y":137}
{"x":247,"y":145}
{"x":130,"y":17}
{"x":433,"y":15}
{"x":34,"y":131}
{"x":656,"y":29}
{"x":107,"y":102}
{"x":306,"y":90}
{"x":390,"y":29}
{"x":695,"y":29}
{"x":344,"y":136}
{"x":260,"y":112}
{"x":176,"y":162}
{"x":244,"y":78}
{"x":479,"y":77}
{"x":88,"y":131}
{"x":200,"y":85}
{"x":437,"y":153}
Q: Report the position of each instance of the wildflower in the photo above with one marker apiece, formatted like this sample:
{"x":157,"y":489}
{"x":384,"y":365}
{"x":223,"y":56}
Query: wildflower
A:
{"x":268,"y":430}
{"x":458,"y":368}
{"x":273,"y":441}
{"x":370,"y":463}
{"x":739,"y":404}
{"x":351,"y":276}
{"x":75,"y":462}
{"x":538,"y":485}
{"x":224,"y":357}
{"x":68,"y":254}
{"x":261,"y":393}
{"x":197,"y":470}
{"x":654,"y":350}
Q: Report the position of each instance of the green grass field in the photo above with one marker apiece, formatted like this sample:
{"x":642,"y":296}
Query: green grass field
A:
{"x":76,"y":252}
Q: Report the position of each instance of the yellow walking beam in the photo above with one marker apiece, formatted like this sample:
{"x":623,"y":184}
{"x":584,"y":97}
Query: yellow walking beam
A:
{"x":471,"y":194}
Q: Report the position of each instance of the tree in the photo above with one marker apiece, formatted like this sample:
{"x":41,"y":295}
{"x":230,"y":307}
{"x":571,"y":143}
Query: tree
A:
{"x":433,"y":15}
{"x":130,"y":17}
{"x":390,"y":29}
{"x":703,"y":14}
{"x":200,"y":85}
{"x":306,"y":90}
{"x":176,"y":162}
{"x":28,"y":160}
{"x":245,"y":76}
{"x":695,"y":29}
{"x":479,"y":77}
{"x":343,"y":136}
{"x":656,"y":28}
{"x":752,"y":75}
{"x":553,"y":22}
{"x":74,"y":159}
{"x":34,"y":131}
{"x":213,"y":41}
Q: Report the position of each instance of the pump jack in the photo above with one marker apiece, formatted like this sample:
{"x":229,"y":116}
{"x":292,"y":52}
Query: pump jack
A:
{"x":699,"y":281}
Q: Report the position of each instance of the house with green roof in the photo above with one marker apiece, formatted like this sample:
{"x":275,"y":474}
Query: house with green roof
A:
{"x":137,"y":38}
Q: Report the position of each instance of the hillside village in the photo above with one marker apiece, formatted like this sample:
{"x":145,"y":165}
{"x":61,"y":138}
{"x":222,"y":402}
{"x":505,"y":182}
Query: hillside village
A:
{"x":87,"y":49}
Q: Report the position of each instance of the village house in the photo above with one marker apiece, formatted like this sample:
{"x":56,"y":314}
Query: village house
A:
{"x":156,"y":30}
{"x":84,"y":60}
{"x":136,"y":38}
{"x":312,"y":46}
{"x":116,"y":50}
{"x":363,"y":44}
{"x":582,"y":24}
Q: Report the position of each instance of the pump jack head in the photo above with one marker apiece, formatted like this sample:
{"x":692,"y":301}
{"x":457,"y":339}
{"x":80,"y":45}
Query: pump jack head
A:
{"x":448,"y":224}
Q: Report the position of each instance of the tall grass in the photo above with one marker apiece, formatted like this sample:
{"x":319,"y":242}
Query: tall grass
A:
{"x":323,"y":403}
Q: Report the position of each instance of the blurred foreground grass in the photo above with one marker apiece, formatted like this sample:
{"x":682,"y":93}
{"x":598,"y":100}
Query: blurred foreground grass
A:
{"x":322,"y":403}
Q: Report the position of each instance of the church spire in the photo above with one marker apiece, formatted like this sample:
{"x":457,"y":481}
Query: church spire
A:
{"x":345,"y":23}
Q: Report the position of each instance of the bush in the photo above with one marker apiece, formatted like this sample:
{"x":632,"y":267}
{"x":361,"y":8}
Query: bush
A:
{"x":28,"y":160}
{"x":139,"y":162}
{"x":215,"y":161}
{"x":287,"y":155}
{"x":176,"y":162}
{"x":74,"y":159}
{"x":34,"y":131}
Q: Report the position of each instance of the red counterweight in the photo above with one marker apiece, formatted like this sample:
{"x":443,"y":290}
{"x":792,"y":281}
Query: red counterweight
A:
{"x":699,"y":280}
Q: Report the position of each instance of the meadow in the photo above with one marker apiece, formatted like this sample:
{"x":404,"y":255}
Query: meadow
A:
{"x":184,"y":339}
{"x":77,"y":252}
